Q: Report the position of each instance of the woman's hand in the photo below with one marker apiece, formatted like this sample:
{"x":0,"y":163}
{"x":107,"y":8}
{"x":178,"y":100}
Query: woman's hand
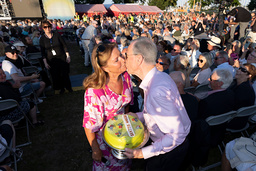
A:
{"x":68,"y":59}
{"x":133,"y":114}
{"x":47,"y":66}
{"x":97,"y":155}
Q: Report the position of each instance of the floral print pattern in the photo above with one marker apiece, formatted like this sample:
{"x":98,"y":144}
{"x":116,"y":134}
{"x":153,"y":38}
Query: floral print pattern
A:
{"x":100,"y":105}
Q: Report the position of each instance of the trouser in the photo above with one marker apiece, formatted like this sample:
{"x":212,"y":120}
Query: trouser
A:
{"x":242,"y":26}
{"x":60,"y":74}
{"x":168,"y":161}
{"x":88,"y":47}
{"x":85,"y":44}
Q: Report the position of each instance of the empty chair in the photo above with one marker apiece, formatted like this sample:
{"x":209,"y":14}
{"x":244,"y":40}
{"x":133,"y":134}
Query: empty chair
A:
{"x":242,"y":116}
{"x":217,"y":125}
{"x":34,"y":58}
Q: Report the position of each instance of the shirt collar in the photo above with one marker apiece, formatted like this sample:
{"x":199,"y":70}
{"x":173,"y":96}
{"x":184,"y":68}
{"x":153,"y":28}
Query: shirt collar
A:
{"x":215,"y":91}
{"x":145,"y":82}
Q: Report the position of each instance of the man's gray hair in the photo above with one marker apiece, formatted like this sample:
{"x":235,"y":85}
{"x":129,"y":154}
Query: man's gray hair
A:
{"x":223,"y":54}
{"x":225,"y":76}
{"x":146,"y":48}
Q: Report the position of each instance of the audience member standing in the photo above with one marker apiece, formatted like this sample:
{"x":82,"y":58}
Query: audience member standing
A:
{"x":88,"y":42}
{"x":241,"y":17}
{"x":56,"y":58}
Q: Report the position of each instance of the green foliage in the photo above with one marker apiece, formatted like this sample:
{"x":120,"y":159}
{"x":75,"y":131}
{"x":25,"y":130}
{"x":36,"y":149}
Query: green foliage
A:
{"x":204,"y":2}
{"x":127,"y":1}
{"x":80,"y":1}
{"x":235,"y":3}
{"x":252,"y":5}
{"x":89,"y":1}
{"x":208,"y":2}
{"x":162,"y":4}
{"x":95,"y":1}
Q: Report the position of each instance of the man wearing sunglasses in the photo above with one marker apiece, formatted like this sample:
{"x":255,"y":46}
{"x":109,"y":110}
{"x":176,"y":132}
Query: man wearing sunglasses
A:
{"x":12,"y":66}
{"x":87,"y":41}
{"x":164,"y":113}
{"x":162,"y":64}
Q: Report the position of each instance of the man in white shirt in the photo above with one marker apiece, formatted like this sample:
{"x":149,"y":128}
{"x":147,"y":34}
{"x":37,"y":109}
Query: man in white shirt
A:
{"x":164,"y":113}
{"x":88,"y":42}
{"x":221,"y":61}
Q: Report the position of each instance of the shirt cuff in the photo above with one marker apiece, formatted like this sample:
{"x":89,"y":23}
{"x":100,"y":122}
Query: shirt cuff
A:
{"x":148,"y":152}
{"x":141,"y":117}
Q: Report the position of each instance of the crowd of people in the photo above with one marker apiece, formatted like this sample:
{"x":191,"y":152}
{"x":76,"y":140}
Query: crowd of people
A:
{"x":142,"y":65}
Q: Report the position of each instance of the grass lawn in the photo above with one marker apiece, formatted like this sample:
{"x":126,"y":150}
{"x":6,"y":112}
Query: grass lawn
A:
{"x":61,"y":144}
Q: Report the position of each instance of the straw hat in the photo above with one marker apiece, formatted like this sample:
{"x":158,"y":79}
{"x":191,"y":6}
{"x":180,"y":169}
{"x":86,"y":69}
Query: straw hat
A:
{"x":215,"y":41}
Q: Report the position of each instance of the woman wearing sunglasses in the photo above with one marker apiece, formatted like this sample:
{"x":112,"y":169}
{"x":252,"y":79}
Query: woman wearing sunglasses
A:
{"x":56,"y":57}
{"x":244,"y":93}
{"x":108,"y":92}
{"x":204,"y":62}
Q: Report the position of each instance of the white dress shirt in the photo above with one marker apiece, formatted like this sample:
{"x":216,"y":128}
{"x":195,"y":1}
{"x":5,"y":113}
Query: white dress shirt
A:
{"x":164,"y":114}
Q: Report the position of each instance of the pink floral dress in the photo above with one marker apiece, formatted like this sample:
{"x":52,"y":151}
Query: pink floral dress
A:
{"x":100,"y":105}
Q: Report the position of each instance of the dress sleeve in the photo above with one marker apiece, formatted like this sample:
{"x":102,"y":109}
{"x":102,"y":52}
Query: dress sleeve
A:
{"x":62,"y":42}
{"x":42,"y":47}
{"x":93,"y":110}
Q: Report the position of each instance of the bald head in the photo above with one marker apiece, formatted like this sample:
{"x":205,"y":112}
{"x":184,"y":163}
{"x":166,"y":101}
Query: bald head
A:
{"x":178,"y":77}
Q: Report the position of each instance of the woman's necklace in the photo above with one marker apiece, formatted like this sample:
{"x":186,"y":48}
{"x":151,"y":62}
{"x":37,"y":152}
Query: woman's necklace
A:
{"x":49,"y":36}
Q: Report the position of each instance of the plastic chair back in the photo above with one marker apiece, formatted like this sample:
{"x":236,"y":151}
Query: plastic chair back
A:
{"x":220,"y":119}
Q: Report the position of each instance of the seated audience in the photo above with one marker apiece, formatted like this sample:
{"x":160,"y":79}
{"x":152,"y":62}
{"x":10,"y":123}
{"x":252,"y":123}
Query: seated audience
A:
{"x":190,"y":101}
{"x":10,"y":91}
{"x":181,"y":63}
{"x":12,"y":65}
{"x":240,"y":155}
{"x":30,"y":48}
{"x":162,"y":64}
{"x":35,"y":38}
{"x":204,"y":63}
{"x":244,"y":93}
{"x":220,"y":100}
{"x":221,"y":61}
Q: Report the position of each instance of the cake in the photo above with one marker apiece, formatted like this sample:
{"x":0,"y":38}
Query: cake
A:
{"x":124,"y":131}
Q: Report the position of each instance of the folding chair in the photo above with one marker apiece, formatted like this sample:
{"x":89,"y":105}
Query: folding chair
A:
{"x":217,"y":121}
{"x":9,"y":104}
{"x":244,"y":112}
{"x":9,"y":150}
{"x":193,"y":72}
{"x":34,"y":59}
{"x":190,"y":90}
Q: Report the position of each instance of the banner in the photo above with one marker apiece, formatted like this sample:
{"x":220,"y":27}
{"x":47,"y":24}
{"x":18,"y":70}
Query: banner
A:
{"x":59,"y":9}
{"x":26,"y":9}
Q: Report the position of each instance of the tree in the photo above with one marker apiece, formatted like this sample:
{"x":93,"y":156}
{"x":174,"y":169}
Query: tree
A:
{"x":80,"y":1}
{"x":209,"y":2}
{"x":162,"y":4}
{"x":128,"y":1}
{"x":89,"y":1}
{"x":252,"y":5}
{"x":95,"y":1}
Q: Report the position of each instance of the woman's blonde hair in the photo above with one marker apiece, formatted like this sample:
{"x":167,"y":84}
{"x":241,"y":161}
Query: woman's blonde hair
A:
{"x":34,"y":34}
{"x":100,"y":55}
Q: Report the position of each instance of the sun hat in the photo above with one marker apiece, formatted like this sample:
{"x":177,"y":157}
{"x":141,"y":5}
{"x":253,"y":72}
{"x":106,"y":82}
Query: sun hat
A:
{"x":214,"y":41}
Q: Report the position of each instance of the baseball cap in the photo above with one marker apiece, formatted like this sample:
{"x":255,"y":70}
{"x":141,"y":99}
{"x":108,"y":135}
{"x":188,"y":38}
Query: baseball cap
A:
{"x":10,"y":49}
{"x":18,"y":43}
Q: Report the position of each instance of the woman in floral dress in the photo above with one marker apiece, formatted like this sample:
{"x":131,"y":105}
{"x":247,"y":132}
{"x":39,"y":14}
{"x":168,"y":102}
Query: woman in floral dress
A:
{"x":108,"y":92}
